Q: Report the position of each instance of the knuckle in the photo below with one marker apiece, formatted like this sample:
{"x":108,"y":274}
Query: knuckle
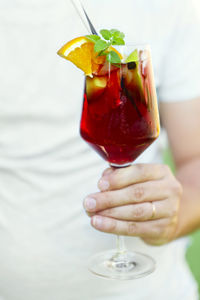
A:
{"x":138,"y":192}
{"x":131,"y":229}
{"x":138,"y":211}
{"x":176,"y":187}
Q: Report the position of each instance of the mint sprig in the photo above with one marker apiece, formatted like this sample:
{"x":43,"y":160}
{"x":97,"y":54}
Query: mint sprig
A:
{"x":109,"y":37}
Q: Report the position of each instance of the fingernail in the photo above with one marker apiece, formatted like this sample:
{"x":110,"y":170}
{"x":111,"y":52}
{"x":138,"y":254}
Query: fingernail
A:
{"x":97,"y":221}
{"x":89,"y":203}
{"x":103,"y":184}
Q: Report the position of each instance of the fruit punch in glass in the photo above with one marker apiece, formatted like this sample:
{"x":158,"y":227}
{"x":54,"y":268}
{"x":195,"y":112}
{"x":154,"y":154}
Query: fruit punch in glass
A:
{"x":120,"y":115}
{"x":119,"y":120}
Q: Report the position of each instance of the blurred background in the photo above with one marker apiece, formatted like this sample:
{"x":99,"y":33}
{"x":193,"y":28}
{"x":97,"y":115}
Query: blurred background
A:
{"x":193,"y":252}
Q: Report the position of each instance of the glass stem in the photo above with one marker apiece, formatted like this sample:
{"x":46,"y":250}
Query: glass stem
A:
{"x":120,"y":244}
{"x":121,"y":249}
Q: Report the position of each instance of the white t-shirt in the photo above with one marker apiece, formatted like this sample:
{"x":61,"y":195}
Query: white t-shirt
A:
{"x":46,"y":169}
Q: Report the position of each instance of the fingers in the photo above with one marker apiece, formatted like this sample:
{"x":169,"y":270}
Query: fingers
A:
{"x":142,"y":212}
{"x":147,"y":230}
{"x":137,"y":193}
{"x":124,"y":204}
{"x":113,"y":179}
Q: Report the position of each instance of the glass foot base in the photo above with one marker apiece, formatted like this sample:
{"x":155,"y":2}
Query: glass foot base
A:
{"x":120,"y":166}
{"x":122,"y":266}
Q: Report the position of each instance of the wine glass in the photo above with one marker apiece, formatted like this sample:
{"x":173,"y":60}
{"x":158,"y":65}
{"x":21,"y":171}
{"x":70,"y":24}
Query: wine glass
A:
{"x":119,"y":121}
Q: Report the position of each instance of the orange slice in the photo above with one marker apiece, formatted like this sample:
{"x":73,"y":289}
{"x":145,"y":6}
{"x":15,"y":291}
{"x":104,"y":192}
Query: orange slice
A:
{"x":80,"y":51}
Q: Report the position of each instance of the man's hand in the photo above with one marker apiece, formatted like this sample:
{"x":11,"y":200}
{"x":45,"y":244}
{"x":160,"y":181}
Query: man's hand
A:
{"x":141,"y":200}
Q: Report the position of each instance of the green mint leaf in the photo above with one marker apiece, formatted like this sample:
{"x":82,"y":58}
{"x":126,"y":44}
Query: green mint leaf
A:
{"x":93,"y":38}
{"x":113,"y":57}
{"x":121,"y":35}
{"x":100,"y":45}
{"x":118,"y":34}
{"x":106,"y":34}
{"x":113,"y":31}
{"x":118,"y":41}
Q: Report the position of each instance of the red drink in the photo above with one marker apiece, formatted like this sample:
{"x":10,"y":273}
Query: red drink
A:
{"x":120,"y":116}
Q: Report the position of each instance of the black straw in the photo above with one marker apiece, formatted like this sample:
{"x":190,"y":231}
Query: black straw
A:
{"x":89,"y":22}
